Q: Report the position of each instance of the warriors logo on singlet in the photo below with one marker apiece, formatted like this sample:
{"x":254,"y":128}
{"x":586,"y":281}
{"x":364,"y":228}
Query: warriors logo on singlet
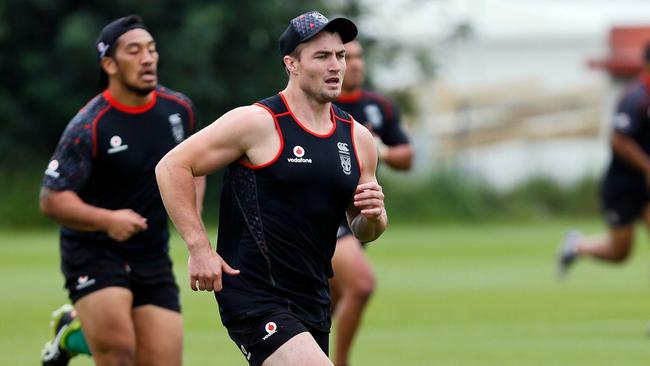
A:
{"x":344,"y":154}
{"x":176,"y":123}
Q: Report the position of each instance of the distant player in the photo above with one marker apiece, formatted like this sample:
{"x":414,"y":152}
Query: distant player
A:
{"x":354,"y":280}
{"x":295,"y":166}
{"x":100,"y":186}
{"x":625,"y":191}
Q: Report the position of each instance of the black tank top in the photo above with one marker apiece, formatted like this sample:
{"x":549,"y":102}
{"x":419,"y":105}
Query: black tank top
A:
{"x":278,"y":221}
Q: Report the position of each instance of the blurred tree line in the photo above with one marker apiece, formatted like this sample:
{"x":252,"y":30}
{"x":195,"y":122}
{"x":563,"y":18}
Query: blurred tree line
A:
{"x":222,"y":54}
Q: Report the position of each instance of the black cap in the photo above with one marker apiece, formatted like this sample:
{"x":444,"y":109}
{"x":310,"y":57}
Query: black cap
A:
{"x":304,"y":27}
{"x":111,"y":32}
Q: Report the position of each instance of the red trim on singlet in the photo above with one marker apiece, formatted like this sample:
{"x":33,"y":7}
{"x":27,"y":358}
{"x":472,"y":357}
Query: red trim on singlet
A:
{"x":328,"y":134}
{"x":128,"y":109}
{"x":351,"y":120}
{"x":277,"y":155}
{"x":181,"y":102}
{"x":353,"y":97}
{"x":95,"y":122}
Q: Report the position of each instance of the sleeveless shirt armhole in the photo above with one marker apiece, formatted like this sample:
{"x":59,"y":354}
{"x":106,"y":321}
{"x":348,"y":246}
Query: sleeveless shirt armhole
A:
{"x":277,"y":155}
{"x":354,"y":146}
{"x":342,"y":119}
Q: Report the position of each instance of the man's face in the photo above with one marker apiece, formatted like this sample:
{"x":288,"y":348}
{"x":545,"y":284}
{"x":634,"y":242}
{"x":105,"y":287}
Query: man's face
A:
{"x":321,"y":65}
{"x":354,"y":74}
{"x":135,"y":61}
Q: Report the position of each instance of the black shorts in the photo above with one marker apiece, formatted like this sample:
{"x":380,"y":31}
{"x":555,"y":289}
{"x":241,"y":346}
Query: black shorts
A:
{"x":623,"y":202}
{"x":257,"y":337}
{"x":344,"y":230}
{"x":88,"y":267}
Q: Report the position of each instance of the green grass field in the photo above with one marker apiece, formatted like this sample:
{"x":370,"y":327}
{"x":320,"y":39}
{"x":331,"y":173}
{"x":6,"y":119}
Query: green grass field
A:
{"x":448,"y":295}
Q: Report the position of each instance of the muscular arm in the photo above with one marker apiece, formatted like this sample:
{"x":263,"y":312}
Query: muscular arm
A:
{"x":67,"y":208}
{"x":199,"y":185}
{"x":239,"y":133}
{"x":626,"y":148}
{"x":366,"y":215}
{"x":208,"y":150}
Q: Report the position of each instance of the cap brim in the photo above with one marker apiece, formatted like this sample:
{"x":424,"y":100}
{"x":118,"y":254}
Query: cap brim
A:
{"x":343,"y":26}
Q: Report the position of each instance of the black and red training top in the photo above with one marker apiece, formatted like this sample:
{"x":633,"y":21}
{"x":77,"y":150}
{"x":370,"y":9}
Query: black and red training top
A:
{"x":108,"y":152}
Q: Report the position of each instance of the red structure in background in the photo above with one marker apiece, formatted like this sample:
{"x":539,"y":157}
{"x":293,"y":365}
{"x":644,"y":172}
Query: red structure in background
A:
{"x":626,"y":45}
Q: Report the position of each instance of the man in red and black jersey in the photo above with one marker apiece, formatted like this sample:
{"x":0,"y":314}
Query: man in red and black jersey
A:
{"x":625,"y":194}
{"x":354,"y":280}
{"x":295,"y":166}
{"x":100,"y":186}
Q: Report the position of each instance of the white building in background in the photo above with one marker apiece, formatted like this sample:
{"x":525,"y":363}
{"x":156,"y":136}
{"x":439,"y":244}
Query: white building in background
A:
{"x":516,"y":98}
{"x":516,"y":108}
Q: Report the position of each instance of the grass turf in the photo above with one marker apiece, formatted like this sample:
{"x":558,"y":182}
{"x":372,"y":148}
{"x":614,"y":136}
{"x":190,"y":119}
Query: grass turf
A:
{"x":447,"y":295}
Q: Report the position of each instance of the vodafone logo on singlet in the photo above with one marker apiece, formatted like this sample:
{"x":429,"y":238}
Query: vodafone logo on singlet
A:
{"x":299,"y":152}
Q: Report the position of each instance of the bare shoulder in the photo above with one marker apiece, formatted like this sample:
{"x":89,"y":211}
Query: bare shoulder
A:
{"x":242,"y":127}
{"x":247,"y":116}
{"x":247,"y":119}
{"x":363,"y":137}
{"x":365,"y":146}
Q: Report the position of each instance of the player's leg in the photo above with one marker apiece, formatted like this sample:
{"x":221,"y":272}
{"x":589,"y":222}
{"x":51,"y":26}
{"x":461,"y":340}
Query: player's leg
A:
{"x":159,"y":336}
{"x":92,"y":278}
{"x":622,"y":206}
{"x":300,"y":350}
{"x":615,"y":247}
{"x":156,"y":313}
{"x":354,"y":282}
{"x":278,"y":337}
{"x":108,"y":325}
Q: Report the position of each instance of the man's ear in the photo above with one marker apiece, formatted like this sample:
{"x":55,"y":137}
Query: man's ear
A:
{"x":290,"y":64}
{"x":109,"y":65}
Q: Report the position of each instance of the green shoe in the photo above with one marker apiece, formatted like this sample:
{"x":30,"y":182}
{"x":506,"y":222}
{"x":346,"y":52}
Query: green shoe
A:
{"x":53,"y":354}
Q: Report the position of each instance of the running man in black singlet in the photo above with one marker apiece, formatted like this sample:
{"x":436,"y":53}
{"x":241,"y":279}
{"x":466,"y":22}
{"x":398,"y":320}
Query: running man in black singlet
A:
{"x":295,"y":165}
{"x":100,"y":186}
{"x":354,"y":281}
{"x":625,"y":194}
